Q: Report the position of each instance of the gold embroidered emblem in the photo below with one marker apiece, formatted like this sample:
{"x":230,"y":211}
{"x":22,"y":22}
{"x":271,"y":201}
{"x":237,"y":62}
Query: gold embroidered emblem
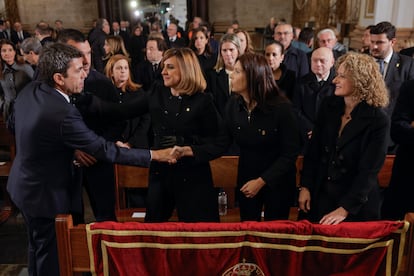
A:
{"x":244,"y":269}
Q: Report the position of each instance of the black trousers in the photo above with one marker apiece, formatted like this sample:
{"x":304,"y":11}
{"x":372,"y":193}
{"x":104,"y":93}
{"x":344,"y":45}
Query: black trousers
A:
{"x":42,"y":250}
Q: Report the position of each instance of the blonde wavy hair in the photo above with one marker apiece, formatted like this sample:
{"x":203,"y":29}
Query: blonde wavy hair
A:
{"x":368,"y":83}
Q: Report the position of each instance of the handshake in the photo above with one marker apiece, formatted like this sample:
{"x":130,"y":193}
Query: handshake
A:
{"x":170,"y":155}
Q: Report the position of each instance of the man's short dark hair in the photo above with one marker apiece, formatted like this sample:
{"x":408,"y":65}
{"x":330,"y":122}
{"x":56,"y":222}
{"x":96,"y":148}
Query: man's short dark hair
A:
{"x":306,"y":34}
{"x":161,"y":44}
{"x":56,"y":58}
{"x":384,"y":28}
{"x":70,"y":34}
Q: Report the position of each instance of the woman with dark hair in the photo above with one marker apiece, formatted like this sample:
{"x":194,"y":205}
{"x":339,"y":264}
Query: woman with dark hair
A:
{"x":137,"y":45}
{"x":263,"y":125}
{"x":285,"y":78}
{"x":14,"y":75}
{"x":200,"y":44}
{"x":348,"y":146}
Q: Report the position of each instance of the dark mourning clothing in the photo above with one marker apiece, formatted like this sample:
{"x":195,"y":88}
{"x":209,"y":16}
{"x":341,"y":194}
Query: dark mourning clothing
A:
{"x":408,"y":52}
{"x":341,"y":170}
{"x":46,"y":40}
{"x":41,"y":183}
{"x":188,"y":120}
{"x":297,"y":61}
{"x":135,"y":130}
{"x":287,"y":81}
{"x":97,"y":40}
{"x":146,"y":74}
{"x":398,"y":197}
{"x":99,"y":178}
{"x":269,"y":144}
{"x":18,"y":37}
{"x":179,"y":42}
{"x":207,"y":62}
{"x":308,"y":95}
{"x":137,"y":49}
{"x":399,"y":69}
{"x":218,"y":87}
{"x":15,"y":78}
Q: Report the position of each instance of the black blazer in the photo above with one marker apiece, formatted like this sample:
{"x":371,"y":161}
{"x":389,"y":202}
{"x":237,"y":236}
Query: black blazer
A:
{"x":341,"y":171}
{"x":48,"y":129}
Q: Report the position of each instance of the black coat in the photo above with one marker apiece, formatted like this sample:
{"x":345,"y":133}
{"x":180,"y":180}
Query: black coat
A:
{"x":307,"y":97}
{"x":342,"y":171}
{"x":269,"y":145}
{"x":398,"y":197}
{"x":218,"y":87}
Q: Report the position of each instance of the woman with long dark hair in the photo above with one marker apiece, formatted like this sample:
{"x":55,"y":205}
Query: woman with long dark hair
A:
{"x":263,"y":125}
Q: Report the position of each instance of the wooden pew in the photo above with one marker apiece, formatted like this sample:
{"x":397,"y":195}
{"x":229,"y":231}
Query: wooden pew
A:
{"x":224,"y":173}
{"x":7,"y":143}
{"x":74,"y":256}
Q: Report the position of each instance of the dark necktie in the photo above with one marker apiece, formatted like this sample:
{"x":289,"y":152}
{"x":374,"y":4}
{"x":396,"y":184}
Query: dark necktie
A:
{"x":154,"y":67}
{"x":321,"y":83}
{"x":381,"y":66}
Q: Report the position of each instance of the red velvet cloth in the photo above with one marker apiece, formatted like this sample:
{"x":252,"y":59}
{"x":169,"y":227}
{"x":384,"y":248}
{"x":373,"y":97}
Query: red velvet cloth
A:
{"x":263,"y":248}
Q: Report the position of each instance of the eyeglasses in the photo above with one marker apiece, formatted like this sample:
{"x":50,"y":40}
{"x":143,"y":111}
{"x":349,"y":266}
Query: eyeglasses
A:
{"x":282,"y":33}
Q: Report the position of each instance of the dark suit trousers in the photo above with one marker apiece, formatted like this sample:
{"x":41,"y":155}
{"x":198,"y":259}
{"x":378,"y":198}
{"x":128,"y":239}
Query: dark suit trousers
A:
{"x":99,"y":184}
{"x":42,"y":250}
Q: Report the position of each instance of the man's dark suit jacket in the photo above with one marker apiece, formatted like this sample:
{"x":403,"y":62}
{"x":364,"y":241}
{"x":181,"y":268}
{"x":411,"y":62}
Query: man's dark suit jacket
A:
{"x":297,"y":61}
{"x":408,"y":52}
{"x":400,"y":69}
{"x":144,"y":74}
{"x":307,"y":97}
{"x":15,"y":37}
{"x":47,"y":130}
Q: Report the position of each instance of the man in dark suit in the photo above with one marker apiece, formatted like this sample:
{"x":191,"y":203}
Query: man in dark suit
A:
{"x":116,"y":31}
{"x":48,"y":129}
{"x":18,"y":34}
{"x":3,"y":32}
{"x":98,"y":176}
{"x":395,"y":68}
{"x":295,"y":59}
{"x":311,"y":89}
{"x":173,"y":38}
{"x":149,"y":71}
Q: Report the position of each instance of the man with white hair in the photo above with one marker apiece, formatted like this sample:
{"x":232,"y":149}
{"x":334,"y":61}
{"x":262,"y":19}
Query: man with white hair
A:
{"x":327,"y":38}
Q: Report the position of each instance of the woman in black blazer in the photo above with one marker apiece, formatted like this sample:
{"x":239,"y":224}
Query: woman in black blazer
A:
{"x":348,"y":146}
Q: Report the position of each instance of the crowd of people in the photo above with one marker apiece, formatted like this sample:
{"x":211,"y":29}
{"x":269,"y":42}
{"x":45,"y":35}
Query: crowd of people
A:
{"x":173,"y":99}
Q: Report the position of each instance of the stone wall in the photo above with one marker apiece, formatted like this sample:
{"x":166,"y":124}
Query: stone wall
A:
{"x":74,"y":13}
{"x":250,"y":13}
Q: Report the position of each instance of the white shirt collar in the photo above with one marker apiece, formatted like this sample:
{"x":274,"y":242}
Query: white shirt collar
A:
{"x":63,"y":94}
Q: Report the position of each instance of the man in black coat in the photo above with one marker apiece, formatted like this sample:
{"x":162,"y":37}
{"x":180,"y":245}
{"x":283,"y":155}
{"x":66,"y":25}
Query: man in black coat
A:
{"x":311,"y":89}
